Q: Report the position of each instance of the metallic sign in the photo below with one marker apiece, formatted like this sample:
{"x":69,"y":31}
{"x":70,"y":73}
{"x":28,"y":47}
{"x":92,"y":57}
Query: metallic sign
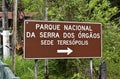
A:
{"x":61,"y":40}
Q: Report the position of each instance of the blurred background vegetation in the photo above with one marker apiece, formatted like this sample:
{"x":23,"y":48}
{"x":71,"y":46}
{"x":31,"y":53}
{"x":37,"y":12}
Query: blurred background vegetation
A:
{"x":106,"y":12}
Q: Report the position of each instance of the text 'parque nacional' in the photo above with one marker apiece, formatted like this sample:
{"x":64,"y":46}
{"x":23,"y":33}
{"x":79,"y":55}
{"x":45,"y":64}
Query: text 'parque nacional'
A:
{"x":48,"y":37}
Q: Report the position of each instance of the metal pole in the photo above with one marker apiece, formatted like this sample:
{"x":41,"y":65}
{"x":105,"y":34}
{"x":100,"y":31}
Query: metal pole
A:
{"x":14,"y":39}
{"x":91,"y":69}
{"x":46,"y":60}
{"x":35,"y":68}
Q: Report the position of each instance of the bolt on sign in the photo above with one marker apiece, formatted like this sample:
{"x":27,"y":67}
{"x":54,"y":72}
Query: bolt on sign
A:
{"x":62,"y":40}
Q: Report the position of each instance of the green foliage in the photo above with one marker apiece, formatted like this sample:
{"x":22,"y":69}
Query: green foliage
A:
{"x":35,"y":6}
{"x":78,"y":76}
{"x":83,"y":11}
{"x":25,"y":68}
{"x":93,"y":11}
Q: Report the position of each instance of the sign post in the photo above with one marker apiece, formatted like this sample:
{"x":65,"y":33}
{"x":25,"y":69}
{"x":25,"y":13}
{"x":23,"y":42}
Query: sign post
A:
{"x":62,"y":40}
{"x":91,"y":69}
